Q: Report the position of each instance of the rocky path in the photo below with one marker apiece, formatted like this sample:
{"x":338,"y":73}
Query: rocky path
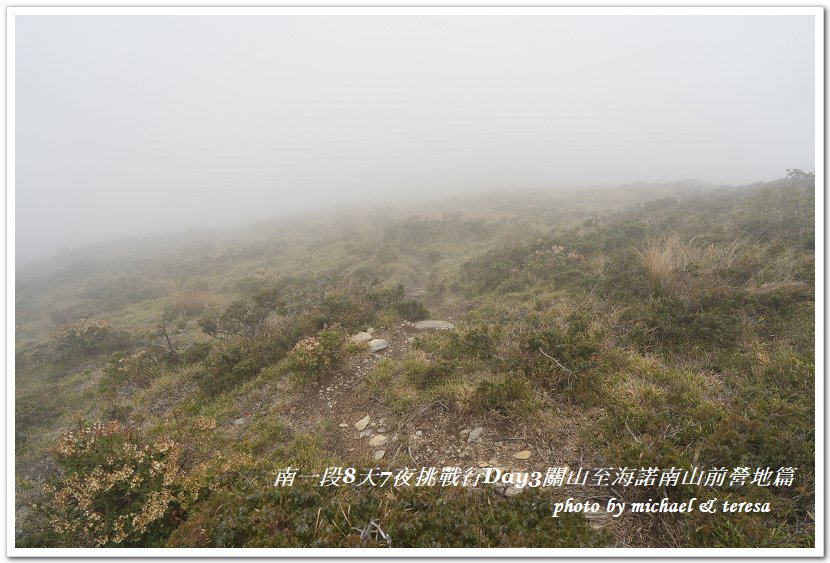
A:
{"x":359,"y":427}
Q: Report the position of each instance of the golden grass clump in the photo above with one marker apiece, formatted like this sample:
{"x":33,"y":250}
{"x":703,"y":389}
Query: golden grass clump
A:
{"x":663,"y":259}
{"x":190,"y":301}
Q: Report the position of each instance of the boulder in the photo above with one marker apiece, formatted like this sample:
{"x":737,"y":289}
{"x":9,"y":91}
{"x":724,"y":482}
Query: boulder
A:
{"x":475,"y":434}
{"x":378,"y":440}
{"x":361,"y":337}
{"x":362,"y":423}
{"x":440,"y":325}
{"x":378,"y":344}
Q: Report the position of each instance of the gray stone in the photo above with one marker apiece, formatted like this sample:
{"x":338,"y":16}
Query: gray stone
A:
{"x":475,"y":434}
{"x":363,"y":422}
{"x":361,"y":337}
{"x":441,"y":325}
{"x":379,"y":454}
{"x":378,"y":440}
{"x":240,"y":421}
{"x":378,"y":344}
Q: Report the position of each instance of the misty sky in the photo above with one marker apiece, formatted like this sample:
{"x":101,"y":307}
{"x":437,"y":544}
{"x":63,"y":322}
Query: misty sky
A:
{"x":134,"y":124}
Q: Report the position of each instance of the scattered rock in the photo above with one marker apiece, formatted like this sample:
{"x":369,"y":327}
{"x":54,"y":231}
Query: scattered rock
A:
{"x":378,"y":344}
{"x":440,"y":325}
{"x":240,"y":421}
{"x":362,"y":423}
{"x":511,"y":491}
{"x":475,"y":434}
{"x":524,"y":454}
{"x":378,"y":440}
{"x":465,"y":431}
{"x":365,"y":433}
{"x":361,"y":337}
{"x":343,"y":425}
{"x":379,"y":454}
{"x":370,"y":330}
{"x":419,"y":433}
{"x":383,"y":430}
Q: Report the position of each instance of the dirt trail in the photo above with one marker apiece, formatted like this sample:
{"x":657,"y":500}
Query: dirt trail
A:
{"x":433,"y":435}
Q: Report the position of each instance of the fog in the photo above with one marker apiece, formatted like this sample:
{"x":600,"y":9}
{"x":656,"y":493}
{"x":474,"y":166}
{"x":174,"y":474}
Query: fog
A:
{"x":135,"y":124}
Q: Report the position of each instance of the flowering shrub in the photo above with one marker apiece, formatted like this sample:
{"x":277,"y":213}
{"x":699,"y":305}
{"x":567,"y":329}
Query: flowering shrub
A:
{"x":114,"y":491}
{"x":136,"y":369}
{"x":313,"y":355}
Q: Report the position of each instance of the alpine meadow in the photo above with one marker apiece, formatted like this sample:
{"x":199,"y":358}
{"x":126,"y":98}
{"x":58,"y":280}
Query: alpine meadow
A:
{"x":290,"y":279}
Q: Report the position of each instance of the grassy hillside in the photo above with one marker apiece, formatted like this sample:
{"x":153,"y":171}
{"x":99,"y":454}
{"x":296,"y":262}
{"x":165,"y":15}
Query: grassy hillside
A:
{"x":161,"y":384}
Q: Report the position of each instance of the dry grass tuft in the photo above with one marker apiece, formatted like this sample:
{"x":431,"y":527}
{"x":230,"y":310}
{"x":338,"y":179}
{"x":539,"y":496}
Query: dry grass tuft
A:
{"x":663,"y":259}
{"x":190,"y":301}
{"x":666,"y":258}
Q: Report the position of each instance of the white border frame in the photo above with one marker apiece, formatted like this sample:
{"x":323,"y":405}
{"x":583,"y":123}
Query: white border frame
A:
{"x":817,"y":551}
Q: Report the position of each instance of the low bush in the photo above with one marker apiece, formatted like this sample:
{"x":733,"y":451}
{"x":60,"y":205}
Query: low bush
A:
{"x":226,"y":368}
{"x":305,"y":515}
{"x":85,"y":338}
{"x":114,"y":489}
{"x":413,"y":310}
{"x":136,"y":370}
{"x":314,"y":355}
{"x":510,"y":396}
{"x":555,"y":356}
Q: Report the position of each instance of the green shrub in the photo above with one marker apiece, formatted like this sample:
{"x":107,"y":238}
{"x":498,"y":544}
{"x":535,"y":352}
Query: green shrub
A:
{"x":659,"y":416}
{"x":305,"y":515}
{"x":137,"y":370}
{"x":386,"y":296}
{"x":555,"y":356}
{"x":413,"y":310}
{"x":425,"y":375}
{"x":242,"y":318}
{"x":226,"y":368}
{"x":314,"y":355}
{"x":346,"y":310}
{"x":195,"y":352}
{"x":85,"y":338}
{"x":510,"y":396}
